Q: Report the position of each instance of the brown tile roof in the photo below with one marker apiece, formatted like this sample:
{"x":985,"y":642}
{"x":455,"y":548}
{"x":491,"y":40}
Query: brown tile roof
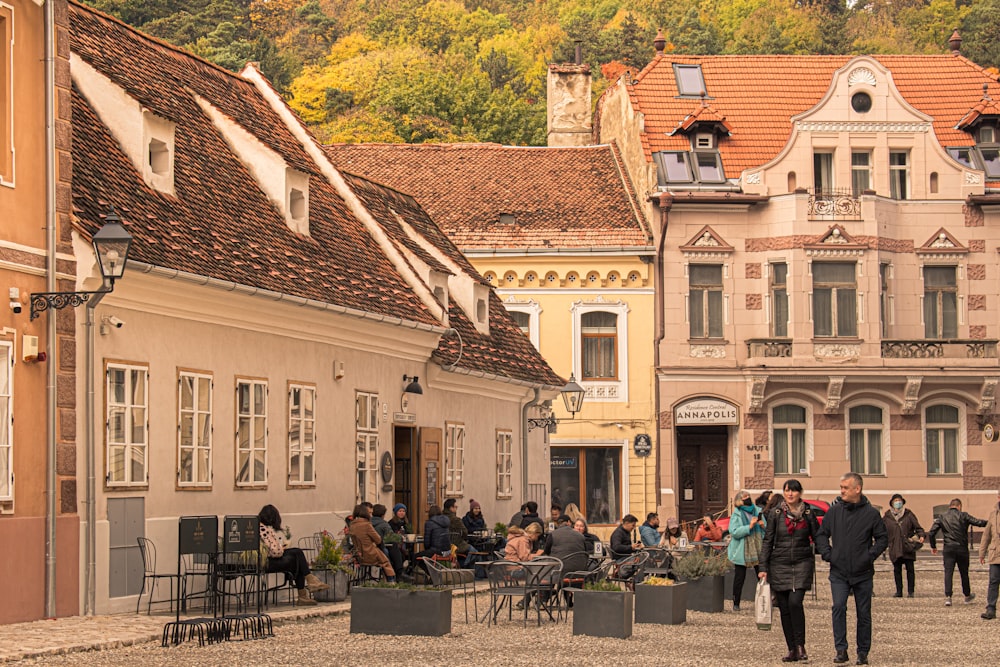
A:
{"x":759,"y":94}
{"x":221,"y":225}
{"x":560,"y":197}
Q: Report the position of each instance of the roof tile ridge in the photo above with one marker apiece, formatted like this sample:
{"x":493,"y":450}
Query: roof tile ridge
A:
{"x":633,"y":196}
{"x":155,"y":41}
{"x":975,"y":65}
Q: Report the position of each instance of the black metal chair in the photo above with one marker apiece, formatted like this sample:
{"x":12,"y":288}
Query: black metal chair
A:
{"x":508,"y":580}
{"x":454,"y":578}
{"x":629,"y":570}
{"x":152,"y":577}
{"x":544,"y":585}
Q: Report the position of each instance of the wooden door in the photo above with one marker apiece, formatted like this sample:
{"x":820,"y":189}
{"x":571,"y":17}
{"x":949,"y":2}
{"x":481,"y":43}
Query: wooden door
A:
{"x":430,"y":477}
{"x":702,"y":464}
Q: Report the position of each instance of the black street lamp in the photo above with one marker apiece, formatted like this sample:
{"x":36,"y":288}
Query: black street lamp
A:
{"x":111,"y":245}
{"x":572,"y":395}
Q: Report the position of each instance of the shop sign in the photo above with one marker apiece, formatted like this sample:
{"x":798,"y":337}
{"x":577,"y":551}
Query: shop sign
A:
{"x":705,"y":411}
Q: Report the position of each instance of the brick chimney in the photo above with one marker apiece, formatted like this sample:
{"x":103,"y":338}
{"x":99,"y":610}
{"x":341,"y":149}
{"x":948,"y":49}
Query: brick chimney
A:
{"x":569,"y":120}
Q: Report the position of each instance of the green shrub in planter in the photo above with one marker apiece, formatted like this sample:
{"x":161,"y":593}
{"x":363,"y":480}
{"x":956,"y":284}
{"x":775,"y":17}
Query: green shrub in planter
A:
{"x":704,"y":570}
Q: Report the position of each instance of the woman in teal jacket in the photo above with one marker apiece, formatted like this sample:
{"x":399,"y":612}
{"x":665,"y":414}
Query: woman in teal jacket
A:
{"x":746,"y":534}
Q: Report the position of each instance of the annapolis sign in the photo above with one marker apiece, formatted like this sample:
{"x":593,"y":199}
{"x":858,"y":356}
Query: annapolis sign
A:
{"x":705,"y":411}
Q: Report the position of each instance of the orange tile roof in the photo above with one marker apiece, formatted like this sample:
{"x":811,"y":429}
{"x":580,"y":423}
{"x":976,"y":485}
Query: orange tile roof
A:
{"x":560,"y":197}
{"x":220,"y":224}
{"x":759,"y":94}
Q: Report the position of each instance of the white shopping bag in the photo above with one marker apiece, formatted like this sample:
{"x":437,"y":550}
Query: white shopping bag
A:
{"x":762,"y":605}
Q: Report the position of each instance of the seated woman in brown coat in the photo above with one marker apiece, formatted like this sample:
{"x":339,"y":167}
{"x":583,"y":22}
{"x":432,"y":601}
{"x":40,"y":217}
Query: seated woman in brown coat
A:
{"x":367,"y":543}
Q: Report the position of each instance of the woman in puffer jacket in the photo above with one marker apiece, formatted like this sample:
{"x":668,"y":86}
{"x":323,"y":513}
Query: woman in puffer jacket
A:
{"x":787,"y":563}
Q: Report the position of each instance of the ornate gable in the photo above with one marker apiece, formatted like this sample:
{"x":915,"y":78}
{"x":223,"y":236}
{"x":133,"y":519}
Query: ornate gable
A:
{"x":942,"y":245}
{"x":705,"y":243}
{"x":835,"y":241}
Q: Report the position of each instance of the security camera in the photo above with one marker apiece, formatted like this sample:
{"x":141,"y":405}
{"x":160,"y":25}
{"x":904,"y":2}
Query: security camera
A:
{"x":117,"y":321}
{"x":15,"y":306}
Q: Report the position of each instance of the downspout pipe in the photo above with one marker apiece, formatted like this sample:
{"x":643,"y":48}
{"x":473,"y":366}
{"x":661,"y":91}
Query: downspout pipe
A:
{"x":90,"y":582}
{"x":663,"y":204}
{"x":50,"y":333}
{"x":533,"y":403}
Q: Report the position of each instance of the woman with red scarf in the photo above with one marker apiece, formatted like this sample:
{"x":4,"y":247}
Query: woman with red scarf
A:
{"x":787,"y":563}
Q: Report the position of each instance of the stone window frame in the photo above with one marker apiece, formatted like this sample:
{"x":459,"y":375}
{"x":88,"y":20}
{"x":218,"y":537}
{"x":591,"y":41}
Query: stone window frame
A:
{"x":961,"y":441}
{"x":128,"y":407}
{"x":807,"y":425}
{"x":884,"y":429}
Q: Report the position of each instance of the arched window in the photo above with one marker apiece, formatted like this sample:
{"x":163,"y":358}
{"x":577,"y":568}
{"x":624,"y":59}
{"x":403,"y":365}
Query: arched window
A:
{"x":866,"y":439}
{"x":599,"y":333}
{"x":941,"y":437}
{"x":788,"y":439}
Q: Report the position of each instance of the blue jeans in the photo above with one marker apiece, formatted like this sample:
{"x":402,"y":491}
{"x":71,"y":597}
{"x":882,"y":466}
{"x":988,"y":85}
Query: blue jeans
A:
{"x":993,"y":588}
{"x":839,"y":589}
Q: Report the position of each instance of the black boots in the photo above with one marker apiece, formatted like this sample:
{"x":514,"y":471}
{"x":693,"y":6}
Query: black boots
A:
{"x":793,"y":656}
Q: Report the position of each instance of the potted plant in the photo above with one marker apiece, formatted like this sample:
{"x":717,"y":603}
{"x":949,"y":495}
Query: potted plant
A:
{"x":500,"y":528}
{"x":603,"y":609}
{"x":380,"y":608}
{"x":329,"y":566}
{"x":704,"y":570}
{"x":661,"y":600}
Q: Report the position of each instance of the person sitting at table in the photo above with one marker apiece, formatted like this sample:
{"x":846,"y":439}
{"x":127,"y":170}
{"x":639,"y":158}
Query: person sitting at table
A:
{"x":457,"y":533}
{"x":520,"y":545}
{"x":589,"y":539}
{"x":648,"y":533}
{"x":437,"y":537}
{"x":515,"y":520}
{"x":708,"y":531}
{"x":573,"y":512}
{"x":530,"y":515}
{"x":672,"y":534}
{"x":391,"y":541}
{"x":399,"y":522}
{"x":621,"y":538}
{"x":367,"y":543}
{"x":283,"y":558}
{"x":567,"y":545}
{"x":473,"y":519}
{"x":555,"y":512}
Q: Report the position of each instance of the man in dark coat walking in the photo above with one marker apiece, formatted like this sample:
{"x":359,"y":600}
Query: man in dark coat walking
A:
{"x":859,"y":537}
{"x":954,"y":524}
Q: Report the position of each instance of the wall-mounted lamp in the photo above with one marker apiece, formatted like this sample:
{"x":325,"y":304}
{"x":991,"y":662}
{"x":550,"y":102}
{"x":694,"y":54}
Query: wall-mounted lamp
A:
{"x":572,"y":395}
{"x":111,"y":245}
{"x":414,"y":386}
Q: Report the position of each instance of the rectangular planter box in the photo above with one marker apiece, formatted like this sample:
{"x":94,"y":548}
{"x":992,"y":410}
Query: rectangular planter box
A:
{"x":666,"y":605}
{"x":603,"y":613}
{"x":396,"y":611}
{"x":337,"y":581}
{"x":749,"y":585}
{"x":707,"y":594}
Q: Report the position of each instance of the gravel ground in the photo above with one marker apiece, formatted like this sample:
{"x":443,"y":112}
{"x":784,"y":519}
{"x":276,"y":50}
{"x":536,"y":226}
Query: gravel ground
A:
{"x":906,"y":632}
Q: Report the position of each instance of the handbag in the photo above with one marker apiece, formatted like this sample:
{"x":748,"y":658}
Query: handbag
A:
{"x":912,"y":544}
{"x":762,"y":605}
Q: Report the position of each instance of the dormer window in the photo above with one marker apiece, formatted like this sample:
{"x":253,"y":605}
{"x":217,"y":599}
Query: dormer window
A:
{"x":441,"y":295}
{"x":158,"y":137}
{"x":507,"y":219}
{"x":987,"y":135}
{"x":690,"y":82}
{"x":482,"y":313}
{"x":297,"y":200}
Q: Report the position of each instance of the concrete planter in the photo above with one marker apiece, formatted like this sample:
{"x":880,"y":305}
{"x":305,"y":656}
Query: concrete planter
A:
{"x":603,"y":613}
{"x":707,"y":594}
{"x":666,"y":605}
{"x":397,"y":611}
{"x":749,"y":585}
{"x":337,"y":581}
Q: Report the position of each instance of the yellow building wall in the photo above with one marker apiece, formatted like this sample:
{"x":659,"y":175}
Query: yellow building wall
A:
{"x":552,"y":286}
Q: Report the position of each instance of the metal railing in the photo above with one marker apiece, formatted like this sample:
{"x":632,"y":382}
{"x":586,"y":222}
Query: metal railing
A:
{"x":952,"y":348}
{"x":834,"y":204}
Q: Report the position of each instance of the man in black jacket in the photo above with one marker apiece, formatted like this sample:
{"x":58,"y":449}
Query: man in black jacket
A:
{"x":954,"y":525}
{"x":859,"y":537}
{"x":621,"y":538}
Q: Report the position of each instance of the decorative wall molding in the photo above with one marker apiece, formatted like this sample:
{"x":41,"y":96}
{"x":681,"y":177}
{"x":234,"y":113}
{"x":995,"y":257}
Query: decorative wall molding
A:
{"x":752,"y":179}
{"x":861,"y":75}
{"x":834,"y":389}
{"x":870,"y":127}
{"x":988,"y":398}
{"x":837,"y":350}
{"x":755,"y":397}
{"x":972,"y":178}
{"x":910,"y":395}
{"x":708,"y":351}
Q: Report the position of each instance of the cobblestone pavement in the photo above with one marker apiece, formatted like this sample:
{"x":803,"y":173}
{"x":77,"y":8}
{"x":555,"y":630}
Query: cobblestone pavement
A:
{"x":907,"y":632}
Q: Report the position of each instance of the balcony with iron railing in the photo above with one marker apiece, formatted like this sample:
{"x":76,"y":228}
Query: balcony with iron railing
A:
{"x":952,"y":348}
{"x":834,"y":204}
{"x":769,"y":347}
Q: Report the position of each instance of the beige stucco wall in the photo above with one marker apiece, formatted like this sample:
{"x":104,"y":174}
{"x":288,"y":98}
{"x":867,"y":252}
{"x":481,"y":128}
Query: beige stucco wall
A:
{"x":171,"y":325}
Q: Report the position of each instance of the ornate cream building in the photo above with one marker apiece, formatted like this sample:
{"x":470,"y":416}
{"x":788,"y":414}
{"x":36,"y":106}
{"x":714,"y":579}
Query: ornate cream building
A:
{"x":830,"y":230}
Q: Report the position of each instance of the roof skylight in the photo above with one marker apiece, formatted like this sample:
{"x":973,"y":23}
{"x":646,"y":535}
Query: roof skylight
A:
{"x":690,"y":82}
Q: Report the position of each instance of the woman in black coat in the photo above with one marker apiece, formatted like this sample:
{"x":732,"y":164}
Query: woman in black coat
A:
{"x":787,"y":563}
{"x":905,"y":537}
